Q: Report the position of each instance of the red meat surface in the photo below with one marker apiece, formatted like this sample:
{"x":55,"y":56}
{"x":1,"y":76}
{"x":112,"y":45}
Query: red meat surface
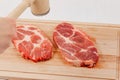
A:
{"x":75,"y":46}
{"x":32,"y":43}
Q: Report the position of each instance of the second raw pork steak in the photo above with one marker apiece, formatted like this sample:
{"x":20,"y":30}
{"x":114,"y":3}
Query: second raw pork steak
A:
{"x":75,"y":46}
{"x":32,"y":43}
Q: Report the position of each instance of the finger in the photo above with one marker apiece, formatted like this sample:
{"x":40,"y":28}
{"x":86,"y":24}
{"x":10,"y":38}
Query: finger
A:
{"x":12,"y":25}
{"x":7,"y":30}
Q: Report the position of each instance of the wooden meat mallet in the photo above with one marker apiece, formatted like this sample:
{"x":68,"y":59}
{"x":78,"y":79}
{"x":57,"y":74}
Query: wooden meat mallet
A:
{"x":38,"y":7}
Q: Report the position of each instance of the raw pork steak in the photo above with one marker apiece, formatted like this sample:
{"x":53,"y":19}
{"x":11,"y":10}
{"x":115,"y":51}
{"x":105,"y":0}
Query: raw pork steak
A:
{"x":32,"y":43}
{"x":75,"y":46}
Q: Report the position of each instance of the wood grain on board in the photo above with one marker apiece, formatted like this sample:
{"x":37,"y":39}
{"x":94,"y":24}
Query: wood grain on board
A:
{"x":107,"y":42}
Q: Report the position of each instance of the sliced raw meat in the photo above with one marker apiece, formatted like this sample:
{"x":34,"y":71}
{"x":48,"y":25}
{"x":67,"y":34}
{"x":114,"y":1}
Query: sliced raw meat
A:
{"x":75,"y":46}
{"x":32,"y":43}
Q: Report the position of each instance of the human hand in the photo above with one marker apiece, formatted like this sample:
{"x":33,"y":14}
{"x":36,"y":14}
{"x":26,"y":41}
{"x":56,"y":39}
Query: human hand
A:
{"x":7,"y":30}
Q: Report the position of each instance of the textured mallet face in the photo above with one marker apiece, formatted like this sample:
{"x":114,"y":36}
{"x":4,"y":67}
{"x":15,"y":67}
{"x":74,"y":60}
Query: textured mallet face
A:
{"x":75,"y":45}
{"x":32,"y":43}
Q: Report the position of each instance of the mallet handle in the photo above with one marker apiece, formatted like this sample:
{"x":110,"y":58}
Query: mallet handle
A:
{"x":19,"y":9}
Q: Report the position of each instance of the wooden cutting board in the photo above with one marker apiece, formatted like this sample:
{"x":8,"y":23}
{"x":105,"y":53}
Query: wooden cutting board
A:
{"x":107,"y":37}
